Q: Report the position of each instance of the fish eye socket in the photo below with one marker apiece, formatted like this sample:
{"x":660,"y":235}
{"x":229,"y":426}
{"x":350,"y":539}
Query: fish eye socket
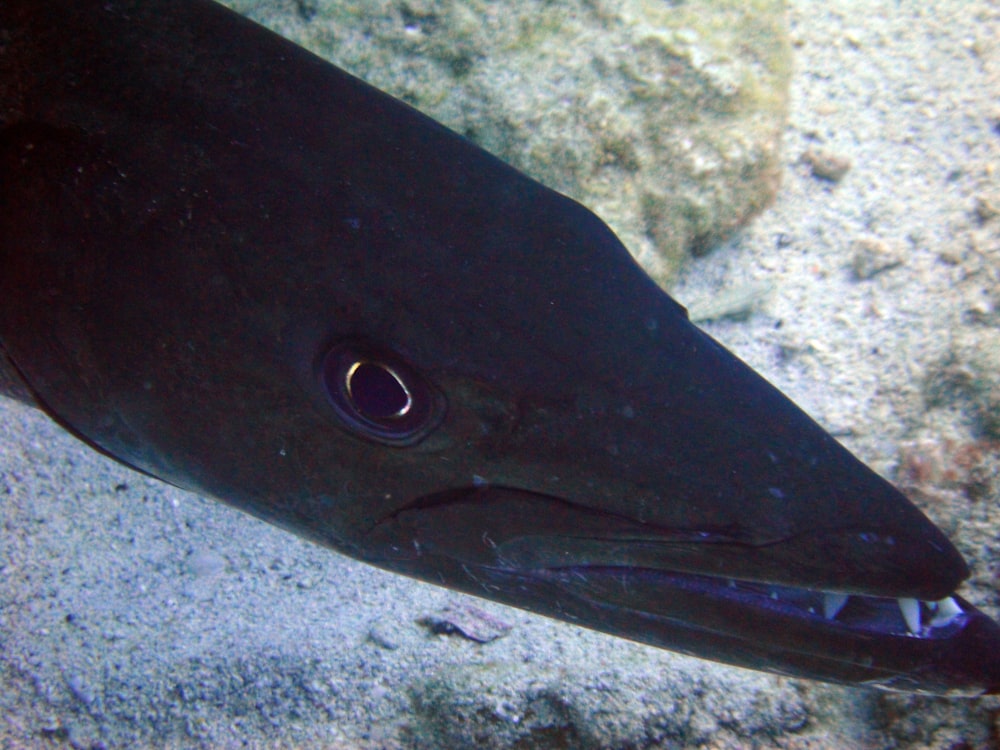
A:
{"x":379,"y":396}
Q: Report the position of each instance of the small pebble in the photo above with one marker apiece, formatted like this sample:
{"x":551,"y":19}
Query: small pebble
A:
{"x":735,"y":303}
{"x":205,"y":564}
{"x":871,"y":256}
{"x":827,"y":166}
{"x":381,"y":636}
{"x":987,"y":207}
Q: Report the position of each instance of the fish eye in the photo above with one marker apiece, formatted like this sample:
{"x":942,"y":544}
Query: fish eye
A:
{"x":377,"y":395}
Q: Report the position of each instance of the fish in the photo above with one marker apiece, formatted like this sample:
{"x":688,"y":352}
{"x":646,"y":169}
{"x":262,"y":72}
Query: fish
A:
{"x":230,"y":265}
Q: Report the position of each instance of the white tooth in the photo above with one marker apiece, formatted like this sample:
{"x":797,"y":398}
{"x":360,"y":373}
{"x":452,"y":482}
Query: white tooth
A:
{"x":833,"y":603}
{"x":911,"y":613}
{"x":947,"y":611}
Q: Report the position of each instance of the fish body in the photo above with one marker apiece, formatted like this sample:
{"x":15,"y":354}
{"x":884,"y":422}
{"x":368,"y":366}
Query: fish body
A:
{"x":230,"y":265}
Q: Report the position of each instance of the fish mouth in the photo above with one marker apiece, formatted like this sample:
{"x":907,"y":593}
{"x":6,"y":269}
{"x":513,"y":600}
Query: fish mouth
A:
{"x":781,"y":625}
{"x":857,"y":613}
{"x":661,"y":587}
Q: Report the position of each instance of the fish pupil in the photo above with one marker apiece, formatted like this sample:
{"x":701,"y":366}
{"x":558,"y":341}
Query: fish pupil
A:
{"x":377,"y":391}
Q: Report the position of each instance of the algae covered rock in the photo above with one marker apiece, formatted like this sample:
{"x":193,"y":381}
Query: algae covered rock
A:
{"x":665,"y":118}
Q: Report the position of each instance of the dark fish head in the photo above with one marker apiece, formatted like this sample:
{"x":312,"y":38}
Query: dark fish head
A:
{"x":548,"y":429}
{"x":544,"y":426}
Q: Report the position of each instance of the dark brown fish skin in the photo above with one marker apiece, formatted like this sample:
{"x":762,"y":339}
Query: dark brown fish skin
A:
{"x":194,"y":212}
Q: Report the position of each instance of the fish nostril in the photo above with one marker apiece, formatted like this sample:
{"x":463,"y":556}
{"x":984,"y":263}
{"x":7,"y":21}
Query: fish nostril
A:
{"x":377,"y":395}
